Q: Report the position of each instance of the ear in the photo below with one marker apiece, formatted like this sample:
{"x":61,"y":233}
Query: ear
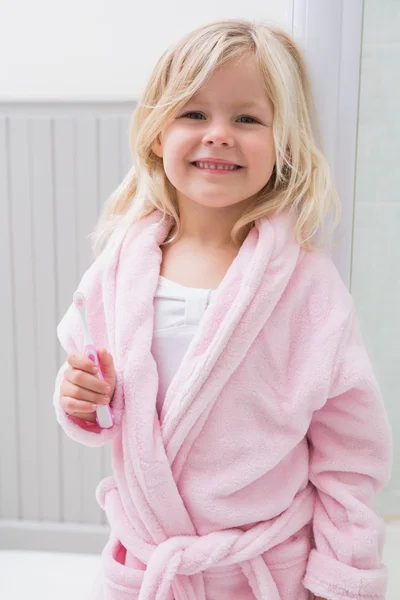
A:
{"x":157,"y":146}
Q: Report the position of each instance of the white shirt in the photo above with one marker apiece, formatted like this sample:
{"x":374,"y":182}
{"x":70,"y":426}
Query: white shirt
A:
{"x":177,"y":313}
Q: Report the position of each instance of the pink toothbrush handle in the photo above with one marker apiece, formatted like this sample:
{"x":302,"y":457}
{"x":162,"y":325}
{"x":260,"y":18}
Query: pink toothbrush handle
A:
{"x":104,"y":414}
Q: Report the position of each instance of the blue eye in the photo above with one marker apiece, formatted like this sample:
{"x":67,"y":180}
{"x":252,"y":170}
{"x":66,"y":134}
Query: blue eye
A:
{"x":251,"y":119}
{"x":198,"y":116}
{"x":194,"y":115}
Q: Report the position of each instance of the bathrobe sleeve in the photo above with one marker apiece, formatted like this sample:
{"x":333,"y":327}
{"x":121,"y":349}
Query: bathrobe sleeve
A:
{"x":350,"y":460}
{"x":70,"y":335}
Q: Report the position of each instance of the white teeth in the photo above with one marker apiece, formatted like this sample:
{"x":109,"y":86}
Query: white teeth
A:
{"x":219,"y":166}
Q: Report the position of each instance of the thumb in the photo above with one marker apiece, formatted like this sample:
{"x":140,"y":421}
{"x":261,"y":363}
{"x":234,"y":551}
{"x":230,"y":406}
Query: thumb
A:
{"x":107,"y":366}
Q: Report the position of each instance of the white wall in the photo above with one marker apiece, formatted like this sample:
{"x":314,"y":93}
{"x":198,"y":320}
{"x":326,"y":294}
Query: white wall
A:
{"x":99,"y":49}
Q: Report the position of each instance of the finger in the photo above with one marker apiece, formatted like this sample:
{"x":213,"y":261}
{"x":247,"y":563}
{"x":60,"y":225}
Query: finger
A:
{"x":72,"y":405}
{"x":75,"y":391}
{"x":104,"y":356}
{"x":87,"y":381}
{"x":107,"y":364}
{"x":79,"y":360}
{"x":106,"y":359}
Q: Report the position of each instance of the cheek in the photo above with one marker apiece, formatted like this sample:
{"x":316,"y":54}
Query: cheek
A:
{"x":178,"y":141}
{"x":177,"y":147}
{"x":262,"y":156}
{"x":262,"y":149}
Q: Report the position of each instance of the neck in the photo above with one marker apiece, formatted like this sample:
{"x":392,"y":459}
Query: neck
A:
{"x":208,"y":226}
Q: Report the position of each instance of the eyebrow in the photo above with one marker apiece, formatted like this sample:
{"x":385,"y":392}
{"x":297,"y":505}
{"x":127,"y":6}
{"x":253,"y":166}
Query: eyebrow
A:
{"x":240,"y":106}
{"x":250,"y":105}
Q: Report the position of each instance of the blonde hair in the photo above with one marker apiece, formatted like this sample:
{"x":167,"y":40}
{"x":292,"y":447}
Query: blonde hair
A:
{"x":301,"y":176}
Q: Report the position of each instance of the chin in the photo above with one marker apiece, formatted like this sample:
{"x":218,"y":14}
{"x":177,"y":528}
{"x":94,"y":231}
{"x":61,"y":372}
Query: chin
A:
{"x":215,"y":202}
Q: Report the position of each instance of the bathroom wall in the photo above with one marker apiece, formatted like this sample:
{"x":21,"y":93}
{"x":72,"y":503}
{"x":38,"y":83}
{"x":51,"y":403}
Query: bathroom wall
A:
{"x":375,"y":280}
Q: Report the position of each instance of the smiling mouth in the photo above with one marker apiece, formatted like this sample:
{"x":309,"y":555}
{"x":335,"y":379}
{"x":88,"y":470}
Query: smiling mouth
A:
{"x":210,"y":166}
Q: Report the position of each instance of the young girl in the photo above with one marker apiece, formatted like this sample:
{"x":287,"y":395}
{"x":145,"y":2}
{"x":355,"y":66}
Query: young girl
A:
{"x":250,"y":436}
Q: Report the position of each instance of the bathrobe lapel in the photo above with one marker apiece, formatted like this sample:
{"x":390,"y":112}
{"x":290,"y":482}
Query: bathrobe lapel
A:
{"x":245,"y":299}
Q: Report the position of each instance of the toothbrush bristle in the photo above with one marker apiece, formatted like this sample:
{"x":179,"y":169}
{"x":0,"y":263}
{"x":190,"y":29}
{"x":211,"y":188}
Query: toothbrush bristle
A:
{"x":79,"y":300}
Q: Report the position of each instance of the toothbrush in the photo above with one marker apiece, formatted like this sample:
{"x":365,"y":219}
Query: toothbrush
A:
{"x":104,"y":415}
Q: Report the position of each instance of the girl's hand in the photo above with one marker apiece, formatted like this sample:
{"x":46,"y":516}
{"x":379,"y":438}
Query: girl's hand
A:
{"x":81,"y":390}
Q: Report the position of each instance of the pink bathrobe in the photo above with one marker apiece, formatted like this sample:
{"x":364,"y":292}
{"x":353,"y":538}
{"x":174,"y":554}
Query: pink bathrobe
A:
{"x":257,"y":480}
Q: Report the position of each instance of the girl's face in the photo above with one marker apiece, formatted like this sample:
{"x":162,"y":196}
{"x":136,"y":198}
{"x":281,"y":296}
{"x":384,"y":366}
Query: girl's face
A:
{"x":219,"y":149}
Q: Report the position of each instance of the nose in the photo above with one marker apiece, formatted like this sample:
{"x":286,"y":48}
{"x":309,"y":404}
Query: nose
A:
{"x":218,"y":134}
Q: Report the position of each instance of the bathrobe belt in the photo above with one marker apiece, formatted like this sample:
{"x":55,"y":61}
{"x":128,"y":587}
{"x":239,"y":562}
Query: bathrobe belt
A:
{"x":170,"y":563}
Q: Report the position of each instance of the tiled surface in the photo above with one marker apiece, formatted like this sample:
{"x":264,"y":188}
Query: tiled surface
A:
{"x":375,"y":281}
{"x":66,"y":576}
{"x":381,"y":21}
{"x":378,"y":174}
{"x":376,"y":292}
